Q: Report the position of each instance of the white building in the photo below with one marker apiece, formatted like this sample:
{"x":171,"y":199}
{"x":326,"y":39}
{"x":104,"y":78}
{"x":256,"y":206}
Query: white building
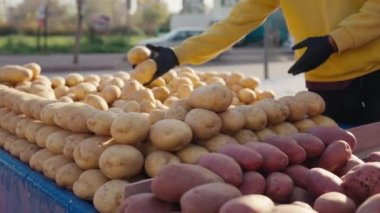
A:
{"x":195,"y":13}
{"x":220,"y":10}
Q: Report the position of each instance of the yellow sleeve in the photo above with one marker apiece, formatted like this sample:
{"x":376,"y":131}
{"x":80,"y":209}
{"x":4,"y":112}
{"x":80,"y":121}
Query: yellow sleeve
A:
{"x":359,"y":28}
{"x":244,"y":17}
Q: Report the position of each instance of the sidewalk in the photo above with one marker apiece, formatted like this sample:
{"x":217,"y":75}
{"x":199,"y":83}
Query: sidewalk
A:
{"x":248,"y":61}
{"x":94,"y":62}
{"x":64,"y":62}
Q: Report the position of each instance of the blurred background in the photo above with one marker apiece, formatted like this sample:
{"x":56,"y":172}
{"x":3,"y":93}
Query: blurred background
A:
{"x":113,"y":26}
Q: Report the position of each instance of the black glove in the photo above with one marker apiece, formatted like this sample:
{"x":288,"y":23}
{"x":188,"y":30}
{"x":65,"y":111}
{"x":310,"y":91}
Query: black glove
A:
{"x":164,"y":57}
{"x":318,"y":51}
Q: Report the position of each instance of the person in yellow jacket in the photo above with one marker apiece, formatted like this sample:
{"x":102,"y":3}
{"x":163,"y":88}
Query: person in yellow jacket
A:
{"x":338,"y":49}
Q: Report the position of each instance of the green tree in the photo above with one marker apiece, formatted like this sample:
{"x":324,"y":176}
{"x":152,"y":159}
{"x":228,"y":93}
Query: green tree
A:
{"x":24,"y":16}
{"x":151,"y":15}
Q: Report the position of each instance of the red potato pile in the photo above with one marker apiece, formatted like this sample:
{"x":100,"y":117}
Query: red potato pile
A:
{"x":95,"y":134}
{"x":245,"y":178}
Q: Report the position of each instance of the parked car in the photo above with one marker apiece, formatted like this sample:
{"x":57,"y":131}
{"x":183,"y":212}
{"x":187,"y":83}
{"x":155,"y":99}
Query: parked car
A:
{"x":174,"y":37}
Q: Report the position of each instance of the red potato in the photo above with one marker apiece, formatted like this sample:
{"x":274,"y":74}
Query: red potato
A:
{"x":331,"y":134}
{"x":351,"y":163}
{"x":339,"y":202}
{"x":248,"y":204}
{"x":224,"y":166}
{"x":312,"y":145}
{"x":248,"y":159}
{"x":174,"y":180}
{"x":362,"y":181}
{"x":273,"y":158}
{"x":289,"y":146}
{"x":372,"y":204}
{"x":302,"y":204}
{"x":279,"y":187}
{"x":319,"y":181}
{"x":253,"y":183}
{"x":145,"y":202}
{"x":298,"y":174}
{"x":208,"y":198}
{"x":335,"y":156}
{"x":291,"y":208}
{"x":300,"y":194}
{"x":311,"y":163}
{"x":373,"y":157}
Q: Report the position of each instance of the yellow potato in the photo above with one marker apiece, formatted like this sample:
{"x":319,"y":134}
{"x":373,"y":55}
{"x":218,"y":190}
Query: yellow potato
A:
{"x":44,"y":133}
{"x":247,"y":95}
{"x":255,"y":117}
{"x":204,"y":123}
{"x":130,"y":87}
{"x":108,"y":197}
{"x":249,"y":82}
{"x":121,"y":161}
{"x":83,"y":89}
{"x":144,"y":71}
{"x":304,"y":125}
{"x":297,"y":108}
{"x":88,"y":182}
{"x":91,"y":78}
{"x":53,"y":164}
{"x":130,"y":128}
{"x":161,"y":93}
{"x":96,"y":101}
{"x":322,"y":120}
{"x":170,"y":134}
{"x":35,"y":68}
{"x":111,"y":93}
{"x":101,"y":121}
{"x":67,"y":175}
{"x":232,"y":121}
{"x":77,"y":119}
{"x":130,"y":106}
{"x":55,"y":142}
{"x":215,"y":97}
{"x":71,"y":142}
{"x":215,"y":143}
{"x":157,"y":159}
{"x":277,"y":112}
{"x":138,"y":54}
{"x":156,"y":115}
{"x":14,"y":74}
{"x":245,"y":135}
{"x":28,"y":152}
{"x":37,"y":160}
{"x":73,"y":79}
{"x":87,"y":152}
{"x":315,"y":103}
{"x":191,"y":153}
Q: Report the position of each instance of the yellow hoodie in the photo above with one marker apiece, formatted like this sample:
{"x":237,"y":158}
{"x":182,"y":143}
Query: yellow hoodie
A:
{"x":354,"y":25}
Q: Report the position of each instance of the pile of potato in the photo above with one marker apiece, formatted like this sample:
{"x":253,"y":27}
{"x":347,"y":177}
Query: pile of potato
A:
{"x":302,"y":172}
{"x":94,"y":134}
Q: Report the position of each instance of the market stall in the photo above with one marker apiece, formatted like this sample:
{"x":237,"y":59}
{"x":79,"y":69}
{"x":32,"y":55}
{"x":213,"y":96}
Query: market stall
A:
{"x":78,"y":143}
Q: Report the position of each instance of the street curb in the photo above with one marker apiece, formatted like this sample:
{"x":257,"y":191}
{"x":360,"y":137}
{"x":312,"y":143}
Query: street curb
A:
{"x":76,"y":68}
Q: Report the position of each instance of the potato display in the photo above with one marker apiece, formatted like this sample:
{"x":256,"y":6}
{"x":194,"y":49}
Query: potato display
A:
{"x":211,"y":142}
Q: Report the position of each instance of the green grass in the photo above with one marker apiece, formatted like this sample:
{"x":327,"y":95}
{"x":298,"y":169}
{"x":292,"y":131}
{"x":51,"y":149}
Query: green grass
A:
{"x":20,"y":44}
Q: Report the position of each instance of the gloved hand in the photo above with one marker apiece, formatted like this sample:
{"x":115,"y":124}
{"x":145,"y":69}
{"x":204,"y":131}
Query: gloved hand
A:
{"x":164,"y":57}
{"x":318,"y":51}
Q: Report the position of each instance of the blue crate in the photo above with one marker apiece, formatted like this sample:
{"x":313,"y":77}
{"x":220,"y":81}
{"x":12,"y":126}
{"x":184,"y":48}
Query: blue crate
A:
{"x":25,"y":190}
